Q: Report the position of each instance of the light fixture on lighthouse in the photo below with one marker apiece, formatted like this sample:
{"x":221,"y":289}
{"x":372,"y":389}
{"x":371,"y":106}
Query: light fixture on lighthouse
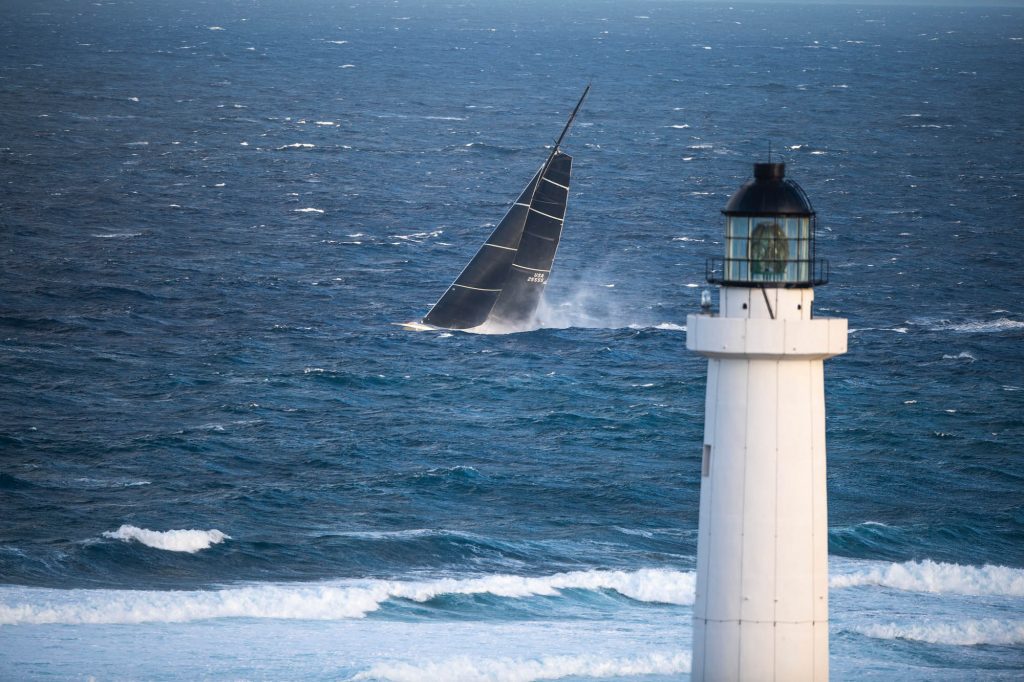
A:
{"x":769,"y":235}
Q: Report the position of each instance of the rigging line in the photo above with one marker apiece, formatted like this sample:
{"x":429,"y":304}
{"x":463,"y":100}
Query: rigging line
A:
{"x":767,"y":303}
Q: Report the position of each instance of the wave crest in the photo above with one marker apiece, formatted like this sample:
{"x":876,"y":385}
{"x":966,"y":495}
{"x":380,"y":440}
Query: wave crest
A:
{"x":964,"y":633}
{"x":938,"y":578}
{"x":323,"y":602}
{"x":190,"y":541}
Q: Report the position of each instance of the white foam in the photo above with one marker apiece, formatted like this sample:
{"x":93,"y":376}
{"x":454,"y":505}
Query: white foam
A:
{"x":964,"y":355}
{"x":466,"y":669}
{"x":190,"y":541}
{"x":349,"y":600}
{"x":418,"y":236}
{"x":215,"y":28}
{"x":964,"y":633}
{"x":297,"y":145}
{"x":307,"y":210}
{"x":938,"y":578}
{"x":1000,"y":325}
{"x":118,"y":235}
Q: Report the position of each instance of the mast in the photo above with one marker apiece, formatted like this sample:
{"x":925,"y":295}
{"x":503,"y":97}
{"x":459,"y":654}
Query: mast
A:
{"x":572,"y":117}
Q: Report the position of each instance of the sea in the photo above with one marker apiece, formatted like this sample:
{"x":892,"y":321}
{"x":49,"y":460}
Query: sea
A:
{"x":221,"y":459}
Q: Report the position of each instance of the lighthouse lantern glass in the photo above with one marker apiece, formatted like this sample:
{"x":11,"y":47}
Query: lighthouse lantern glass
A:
{"x":768,"y":248}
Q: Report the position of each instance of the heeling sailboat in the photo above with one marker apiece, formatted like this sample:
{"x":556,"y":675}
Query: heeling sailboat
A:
{"x":502,"y":285}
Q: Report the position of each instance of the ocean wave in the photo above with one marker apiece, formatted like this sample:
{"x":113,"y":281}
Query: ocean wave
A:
{"x":1003,"y":324}
{"x":323,"y":602}
{"x":965,"y":633}
{"x":465,"y":669}
{"x":938,"y":578}
{"x":190,"y":541}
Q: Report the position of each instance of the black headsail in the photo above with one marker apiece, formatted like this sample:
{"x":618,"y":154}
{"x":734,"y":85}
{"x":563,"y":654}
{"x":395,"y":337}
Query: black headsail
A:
{"x":504,"y":281}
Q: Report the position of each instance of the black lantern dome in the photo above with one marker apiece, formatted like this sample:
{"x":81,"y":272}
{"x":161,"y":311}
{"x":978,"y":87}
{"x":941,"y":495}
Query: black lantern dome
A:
{"x":769,"y":235}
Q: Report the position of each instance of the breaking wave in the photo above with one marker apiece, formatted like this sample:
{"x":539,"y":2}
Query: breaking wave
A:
{"x":938,"y":578}
{"x":978,"y":326}
{"x":322,"y":602}
{"x":190,"y":541}
{"x":964,"y":633}
{"x":465,"y":669}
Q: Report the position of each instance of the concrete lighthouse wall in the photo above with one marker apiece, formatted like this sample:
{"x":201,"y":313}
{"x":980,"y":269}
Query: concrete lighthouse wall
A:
{"x":761,"y":610}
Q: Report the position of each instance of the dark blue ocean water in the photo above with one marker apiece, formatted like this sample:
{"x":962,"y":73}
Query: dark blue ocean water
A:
{"x":212,"y":212}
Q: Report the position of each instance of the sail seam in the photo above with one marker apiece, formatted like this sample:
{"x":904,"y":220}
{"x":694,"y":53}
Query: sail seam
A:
{"x":565,"y":187}
{"x":466,"y":286}
{"x":499,"y":246}
{"x":539,"y":236}
{"x":546,"y":215}
{"x":523,"y":267}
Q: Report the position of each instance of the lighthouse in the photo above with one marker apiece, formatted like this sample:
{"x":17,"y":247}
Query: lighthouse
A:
{"x":761,"y":608}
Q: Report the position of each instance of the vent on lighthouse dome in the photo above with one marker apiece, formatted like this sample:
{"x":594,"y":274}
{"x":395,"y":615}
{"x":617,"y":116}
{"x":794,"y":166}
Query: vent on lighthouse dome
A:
{"x":769,"y":235}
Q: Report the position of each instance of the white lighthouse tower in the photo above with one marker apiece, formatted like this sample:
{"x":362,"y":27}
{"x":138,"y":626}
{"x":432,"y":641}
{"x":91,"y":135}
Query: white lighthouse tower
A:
{"x":761,"y":610}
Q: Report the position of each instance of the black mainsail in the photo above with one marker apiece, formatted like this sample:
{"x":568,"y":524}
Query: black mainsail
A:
{"x":503,"y":283}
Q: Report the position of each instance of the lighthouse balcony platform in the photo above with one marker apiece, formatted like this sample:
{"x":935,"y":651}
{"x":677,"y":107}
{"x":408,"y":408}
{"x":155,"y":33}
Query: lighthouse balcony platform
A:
{"x":740,"y":337}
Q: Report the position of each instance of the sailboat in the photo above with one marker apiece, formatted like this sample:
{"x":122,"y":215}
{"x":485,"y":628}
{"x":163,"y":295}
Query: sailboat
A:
{"x":501,"y":287}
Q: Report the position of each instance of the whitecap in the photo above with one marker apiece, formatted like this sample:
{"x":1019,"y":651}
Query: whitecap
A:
{"x":297,"y":145}
{"x":118,"y":235}
{"x":964,"y":633}
{"x":468,"y":669}
{"x":351,"y":599}
{"x":680,"y":126}
{"x":938,"y":578}
{"x":215,"y":28}
{"x":308,"y":210}
{"x":190,"y":541}
{"x":964,"y":355}
{"x":1000,"y":325}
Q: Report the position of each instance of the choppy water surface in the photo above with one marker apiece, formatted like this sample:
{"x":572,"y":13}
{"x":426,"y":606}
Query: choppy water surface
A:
{"x":217,"y":450}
